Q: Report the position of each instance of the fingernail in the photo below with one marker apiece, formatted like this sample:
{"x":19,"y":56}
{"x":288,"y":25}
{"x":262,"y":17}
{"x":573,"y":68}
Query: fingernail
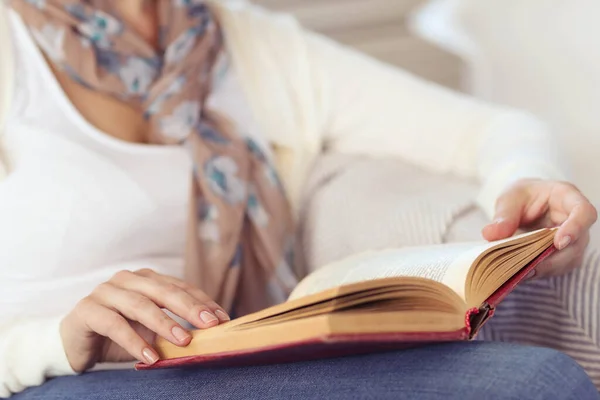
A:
{"x":222,"y":316}
{"x":150,"y":356}
{"x":530,"y":275}
{"x":208,"y":318}
{"x":498,"y":221}
{"x":180,"y":334}
{"x":564,"y":242}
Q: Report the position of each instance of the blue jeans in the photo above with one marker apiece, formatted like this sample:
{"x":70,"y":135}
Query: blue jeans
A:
{"x":479,"y":370}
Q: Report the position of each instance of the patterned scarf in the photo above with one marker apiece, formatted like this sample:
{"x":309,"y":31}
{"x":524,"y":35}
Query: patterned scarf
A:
{"x":240,"y":236}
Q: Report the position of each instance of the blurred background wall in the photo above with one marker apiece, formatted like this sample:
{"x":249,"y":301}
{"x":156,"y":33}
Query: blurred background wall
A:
{"x":538,"y":55}
{"x":379,"y":28}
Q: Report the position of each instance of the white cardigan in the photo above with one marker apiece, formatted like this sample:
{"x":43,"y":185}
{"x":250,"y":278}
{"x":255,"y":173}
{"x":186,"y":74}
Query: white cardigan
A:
{"x":310,"y":94}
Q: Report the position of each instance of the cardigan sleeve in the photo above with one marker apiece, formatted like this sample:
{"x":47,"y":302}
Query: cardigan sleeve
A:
{"x":378,"y":110}
{"x":30,"y":352}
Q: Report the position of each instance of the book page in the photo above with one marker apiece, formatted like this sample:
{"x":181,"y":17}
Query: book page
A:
{"x":448,"y":264}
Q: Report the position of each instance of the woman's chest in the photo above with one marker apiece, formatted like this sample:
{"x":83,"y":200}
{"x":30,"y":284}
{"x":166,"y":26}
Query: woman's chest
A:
{"x":66,"y":209}
{"x":107,"y":114}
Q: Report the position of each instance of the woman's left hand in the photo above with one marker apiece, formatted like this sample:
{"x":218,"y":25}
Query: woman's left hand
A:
{"x":533,"y":204}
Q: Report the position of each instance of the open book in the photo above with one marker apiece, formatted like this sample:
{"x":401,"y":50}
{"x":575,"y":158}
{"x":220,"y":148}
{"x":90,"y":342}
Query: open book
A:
{"x":374,"y":301}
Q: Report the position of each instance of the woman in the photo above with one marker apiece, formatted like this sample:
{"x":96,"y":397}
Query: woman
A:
{"x":156,"y":187}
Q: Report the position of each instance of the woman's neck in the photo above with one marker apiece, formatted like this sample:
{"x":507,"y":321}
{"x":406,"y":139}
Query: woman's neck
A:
{"x":132,"y":7}
{"x":141,"y":15}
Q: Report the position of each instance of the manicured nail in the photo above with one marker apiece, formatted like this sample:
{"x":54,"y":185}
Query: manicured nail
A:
{"x":208,"y":318}
{"x":150,"y":356}
{"x":564,"y":242}
{"x":222,"y":316}
{"x":495,"y":222}
{"x":180,"y":334}
{"x":530,"y":275}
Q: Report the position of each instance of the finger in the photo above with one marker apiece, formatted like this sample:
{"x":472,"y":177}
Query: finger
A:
{"x":201,"y":296}
{"x":532,"y":274}
{"x":509,"y":209}
{"x":137,"y":307}
{"x":559,"y":264}
{"x":167,"y":295}
{"x":564,"y":261}
{"x":581,"y":216}
{"x":110,"y":324}
{"x":195,"y":292}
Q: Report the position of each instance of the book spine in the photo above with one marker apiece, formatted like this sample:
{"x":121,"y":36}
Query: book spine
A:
{"x":477,"y":317}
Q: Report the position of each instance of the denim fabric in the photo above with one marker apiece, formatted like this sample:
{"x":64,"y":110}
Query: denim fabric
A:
{"x":480,"y":370}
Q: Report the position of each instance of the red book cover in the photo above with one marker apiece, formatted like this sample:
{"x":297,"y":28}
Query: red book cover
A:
{"x":342,"y":345}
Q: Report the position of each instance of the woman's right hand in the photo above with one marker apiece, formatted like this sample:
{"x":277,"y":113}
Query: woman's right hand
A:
{"x":120,"y":319}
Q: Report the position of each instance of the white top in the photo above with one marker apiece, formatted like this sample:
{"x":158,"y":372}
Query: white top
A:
{"x":124,"y":203}
{"x":306,"y":93}
{"x":81,"y":205}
